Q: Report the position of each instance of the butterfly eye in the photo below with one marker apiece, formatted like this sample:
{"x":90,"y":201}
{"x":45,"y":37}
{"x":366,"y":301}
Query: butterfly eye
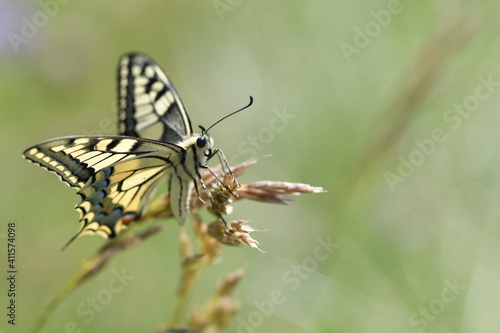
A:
{"x":201,"y":142}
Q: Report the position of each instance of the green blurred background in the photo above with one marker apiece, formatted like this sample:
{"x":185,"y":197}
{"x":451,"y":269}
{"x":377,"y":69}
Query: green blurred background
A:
{"x":388,"y":108}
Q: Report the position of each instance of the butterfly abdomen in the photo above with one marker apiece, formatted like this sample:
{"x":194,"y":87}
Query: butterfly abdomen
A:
{"x":180,"y":190}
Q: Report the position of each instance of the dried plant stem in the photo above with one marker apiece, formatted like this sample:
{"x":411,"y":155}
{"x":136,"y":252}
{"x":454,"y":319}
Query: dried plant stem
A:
{"x":191,"y":266}
{"x":93,"y":266}
{"x":217,"y":312}
{"x":209,"y":239}
{"x":63,"y":292}
{"x":177,"y":317}
{"x":425,"y":74}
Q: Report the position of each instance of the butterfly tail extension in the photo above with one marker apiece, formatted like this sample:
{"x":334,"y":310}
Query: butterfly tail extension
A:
{"x":75,"y":236}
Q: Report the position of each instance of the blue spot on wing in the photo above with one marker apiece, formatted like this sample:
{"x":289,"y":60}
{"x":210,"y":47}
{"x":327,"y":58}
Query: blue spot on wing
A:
{"x":101,"y":195}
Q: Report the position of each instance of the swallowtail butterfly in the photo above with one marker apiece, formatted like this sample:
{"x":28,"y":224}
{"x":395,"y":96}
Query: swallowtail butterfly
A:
{"x":116,"y":175}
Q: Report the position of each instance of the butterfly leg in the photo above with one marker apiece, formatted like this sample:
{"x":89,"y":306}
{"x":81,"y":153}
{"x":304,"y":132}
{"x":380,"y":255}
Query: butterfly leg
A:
{"x":209,"y":206}
{"x":223,"y":162}
{"x":213,"y":210}
{"x":219,"y":180}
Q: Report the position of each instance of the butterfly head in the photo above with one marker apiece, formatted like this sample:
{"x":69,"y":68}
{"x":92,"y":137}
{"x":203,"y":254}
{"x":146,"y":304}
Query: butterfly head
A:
{"x":204,"y":145}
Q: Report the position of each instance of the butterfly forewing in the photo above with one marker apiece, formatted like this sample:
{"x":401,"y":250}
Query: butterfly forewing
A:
{"x":149,"y":106}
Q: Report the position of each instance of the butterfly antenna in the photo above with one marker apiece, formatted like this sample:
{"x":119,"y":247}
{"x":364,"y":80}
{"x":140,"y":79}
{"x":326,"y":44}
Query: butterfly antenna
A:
{"x":229,"y":115}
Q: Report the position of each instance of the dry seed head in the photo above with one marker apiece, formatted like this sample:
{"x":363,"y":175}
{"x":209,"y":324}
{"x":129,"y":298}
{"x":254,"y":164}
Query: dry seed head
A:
{"x":191,"y":260}
{"x":199,"y":319}
{"x":275,"y":192}
{"x":224,"y":310}
{"x":235,"y":234}
{"x":226,"y":286}
{"x":222,"y":194}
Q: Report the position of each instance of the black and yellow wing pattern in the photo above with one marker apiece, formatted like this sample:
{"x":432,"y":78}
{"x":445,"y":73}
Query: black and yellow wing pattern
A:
{"x":148,"y":103}
{"x":114,"y":175}
{"x":149,"y":106}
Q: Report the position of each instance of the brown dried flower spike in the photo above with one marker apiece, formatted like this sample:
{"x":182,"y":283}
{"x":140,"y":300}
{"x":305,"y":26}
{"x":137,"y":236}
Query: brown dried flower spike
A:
{"x":275,"y":192}
{"x":235,"y":234}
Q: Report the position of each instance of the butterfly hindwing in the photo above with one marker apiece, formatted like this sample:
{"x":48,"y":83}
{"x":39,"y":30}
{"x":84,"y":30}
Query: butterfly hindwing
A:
{"x":116,"y":195}
{"x":148,"y":104}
